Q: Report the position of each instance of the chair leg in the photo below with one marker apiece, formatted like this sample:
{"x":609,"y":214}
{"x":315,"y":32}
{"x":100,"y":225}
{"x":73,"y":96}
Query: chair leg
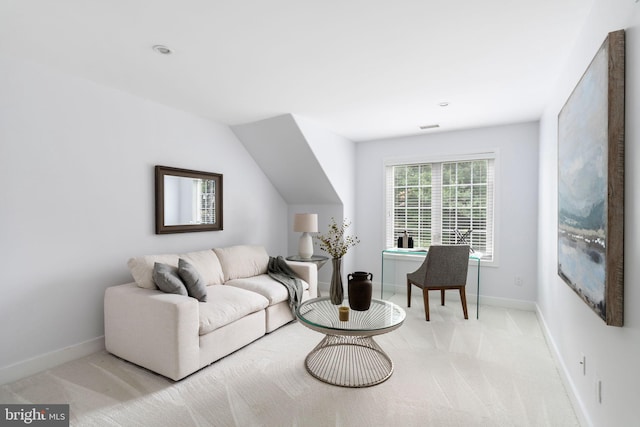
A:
{"x":425,"y":297}
{"x":463,"y":298}
{"x":441,"y":296}
{"x":408,"y":293}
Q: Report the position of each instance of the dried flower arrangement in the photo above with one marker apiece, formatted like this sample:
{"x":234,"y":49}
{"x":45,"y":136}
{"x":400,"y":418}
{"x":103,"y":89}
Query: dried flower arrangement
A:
{"x":335,"y":243}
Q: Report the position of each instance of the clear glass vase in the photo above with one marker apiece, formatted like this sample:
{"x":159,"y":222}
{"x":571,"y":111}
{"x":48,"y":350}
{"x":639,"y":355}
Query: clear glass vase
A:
{"x":335,"y":291}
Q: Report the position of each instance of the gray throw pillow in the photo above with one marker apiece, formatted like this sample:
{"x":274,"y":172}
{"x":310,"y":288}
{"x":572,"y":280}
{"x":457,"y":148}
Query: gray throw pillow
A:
{"x":194,"y":282}
{"x":167,"y":279}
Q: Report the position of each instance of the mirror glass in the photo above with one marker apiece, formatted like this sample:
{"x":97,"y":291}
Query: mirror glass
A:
{"x":187,"y":200}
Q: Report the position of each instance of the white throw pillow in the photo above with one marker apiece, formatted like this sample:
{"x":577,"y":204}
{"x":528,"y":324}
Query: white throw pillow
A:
{"x":242,"y":261}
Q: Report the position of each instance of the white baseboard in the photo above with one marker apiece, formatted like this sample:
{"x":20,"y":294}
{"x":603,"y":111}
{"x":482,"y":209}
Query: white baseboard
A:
{"x":577,"y":404}
{"x":49,"y":360}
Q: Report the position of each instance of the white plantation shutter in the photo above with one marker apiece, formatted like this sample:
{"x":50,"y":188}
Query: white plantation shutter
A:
{"x":439,"y":202}
{"x":204,"y":194}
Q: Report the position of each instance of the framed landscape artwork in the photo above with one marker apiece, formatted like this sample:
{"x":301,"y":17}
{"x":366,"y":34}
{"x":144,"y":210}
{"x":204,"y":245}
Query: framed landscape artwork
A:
{"x":591,"y":183}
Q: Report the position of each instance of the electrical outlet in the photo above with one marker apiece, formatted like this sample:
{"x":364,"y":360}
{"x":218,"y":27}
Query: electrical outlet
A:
{"x":583,"y":364}
{"x":518,"y":281}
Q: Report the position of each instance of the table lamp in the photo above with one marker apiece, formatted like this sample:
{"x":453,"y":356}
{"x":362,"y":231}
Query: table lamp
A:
{"x":305,"y":223}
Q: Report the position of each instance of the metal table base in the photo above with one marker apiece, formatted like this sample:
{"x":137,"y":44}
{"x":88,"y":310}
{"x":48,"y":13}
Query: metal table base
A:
{"x":349,"y":361}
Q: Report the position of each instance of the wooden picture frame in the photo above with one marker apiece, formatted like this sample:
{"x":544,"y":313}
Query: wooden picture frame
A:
{"x":591,"y":183}
{"x":187,"y":200}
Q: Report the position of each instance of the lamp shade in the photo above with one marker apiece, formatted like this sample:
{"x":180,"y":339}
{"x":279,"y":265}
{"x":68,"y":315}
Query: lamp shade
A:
{"x":305,"y":222}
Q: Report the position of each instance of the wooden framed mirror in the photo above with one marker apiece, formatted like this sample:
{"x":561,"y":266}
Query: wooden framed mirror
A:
{"x":187,"y":200}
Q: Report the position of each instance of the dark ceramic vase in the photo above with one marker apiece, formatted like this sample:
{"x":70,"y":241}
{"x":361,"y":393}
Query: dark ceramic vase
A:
{"x":360,"y":290}
{"x":335,"y":290}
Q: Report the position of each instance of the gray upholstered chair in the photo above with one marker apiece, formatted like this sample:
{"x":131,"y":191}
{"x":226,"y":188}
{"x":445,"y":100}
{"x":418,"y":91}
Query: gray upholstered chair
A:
{"x":445,"y":267}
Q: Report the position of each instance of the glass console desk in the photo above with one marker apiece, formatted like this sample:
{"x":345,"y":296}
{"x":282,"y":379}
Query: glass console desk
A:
{"x":393,"y":254}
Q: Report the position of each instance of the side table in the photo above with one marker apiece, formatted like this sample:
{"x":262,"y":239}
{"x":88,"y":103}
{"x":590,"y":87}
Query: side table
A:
{"x":318,"y":260}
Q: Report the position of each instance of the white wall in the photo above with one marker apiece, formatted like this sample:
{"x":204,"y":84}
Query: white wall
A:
{"x":325,"y":213}
{"x":612,"y":353}
{"x":516,"y":204}
{"x":336,"y":155}
{"x":76,"y":167}
{"x":318,"y":177}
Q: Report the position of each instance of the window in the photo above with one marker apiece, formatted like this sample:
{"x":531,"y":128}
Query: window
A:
{"x":444,"y":202}
{"x":205,"y":196}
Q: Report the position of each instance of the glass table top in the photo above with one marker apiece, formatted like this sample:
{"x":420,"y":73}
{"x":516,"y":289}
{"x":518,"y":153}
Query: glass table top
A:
{"x":320,"y":314}
{"x":314,"y":258}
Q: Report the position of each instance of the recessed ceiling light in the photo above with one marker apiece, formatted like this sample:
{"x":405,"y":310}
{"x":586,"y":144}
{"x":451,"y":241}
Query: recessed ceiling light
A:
{"x":444,"y":104}
{"x":163,"y":50}
{"x":424,"y":127}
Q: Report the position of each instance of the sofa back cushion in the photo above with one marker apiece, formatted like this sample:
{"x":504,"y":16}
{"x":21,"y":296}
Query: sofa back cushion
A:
{"x":205,"y":262}
{"x":242,"y":261}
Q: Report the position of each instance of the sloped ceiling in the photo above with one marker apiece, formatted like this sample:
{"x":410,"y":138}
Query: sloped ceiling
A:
{"x":282,"y":151}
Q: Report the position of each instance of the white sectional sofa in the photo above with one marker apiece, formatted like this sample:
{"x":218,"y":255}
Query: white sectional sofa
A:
{"x":176,"y":335}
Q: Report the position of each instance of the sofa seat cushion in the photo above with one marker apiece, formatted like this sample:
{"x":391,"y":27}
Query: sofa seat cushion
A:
{"x":226,"y":304}
{"x":264,"y":285}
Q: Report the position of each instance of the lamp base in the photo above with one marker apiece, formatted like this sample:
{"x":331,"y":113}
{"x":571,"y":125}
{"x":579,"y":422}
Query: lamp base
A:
{"x":305,"y":246}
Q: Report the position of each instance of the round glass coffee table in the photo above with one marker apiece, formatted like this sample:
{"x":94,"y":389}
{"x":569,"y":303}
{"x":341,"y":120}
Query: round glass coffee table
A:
{"x":348,"y":356}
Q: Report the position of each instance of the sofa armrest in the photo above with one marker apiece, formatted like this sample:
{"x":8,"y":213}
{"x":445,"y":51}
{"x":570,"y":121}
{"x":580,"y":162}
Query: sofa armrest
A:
{"x":152,"y":329}
{"x":308,"y":272}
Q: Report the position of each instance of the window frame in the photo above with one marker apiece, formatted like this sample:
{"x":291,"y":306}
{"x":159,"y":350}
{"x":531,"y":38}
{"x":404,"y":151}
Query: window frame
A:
{"x":389,"y":240}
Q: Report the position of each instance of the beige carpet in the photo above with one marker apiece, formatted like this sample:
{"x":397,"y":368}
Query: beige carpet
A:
{"x":496,"y":371}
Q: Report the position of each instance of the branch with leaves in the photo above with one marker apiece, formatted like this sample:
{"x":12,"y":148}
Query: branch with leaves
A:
{"x":335,"y":243}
